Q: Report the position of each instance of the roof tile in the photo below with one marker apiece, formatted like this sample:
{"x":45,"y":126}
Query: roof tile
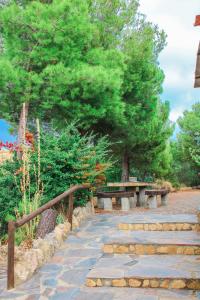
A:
{"x":197,"y":21}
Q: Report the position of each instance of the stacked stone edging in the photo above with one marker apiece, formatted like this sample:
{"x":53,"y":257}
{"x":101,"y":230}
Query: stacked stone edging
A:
{"x":148,"y":249}
{"x":160,"y":226}
{"x":179,"y":283}
{"x":28,"y":261}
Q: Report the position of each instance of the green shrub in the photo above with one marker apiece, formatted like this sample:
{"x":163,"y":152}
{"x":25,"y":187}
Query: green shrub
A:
{"x":9,"y":193}
{"x":67,"y":158}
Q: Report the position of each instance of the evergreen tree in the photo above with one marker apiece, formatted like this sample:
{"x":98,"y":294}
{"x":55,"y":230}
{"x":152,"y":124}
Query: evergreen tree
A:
{"x":145,"y":129}
{"x":92,"y":61}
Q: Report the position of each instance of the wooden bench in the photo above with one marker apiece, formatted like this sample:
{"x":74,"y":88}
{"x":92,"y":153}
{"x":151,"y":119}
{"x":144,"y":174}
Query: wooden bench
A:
{"x":152,"y":197}
{"x":126,"y":198}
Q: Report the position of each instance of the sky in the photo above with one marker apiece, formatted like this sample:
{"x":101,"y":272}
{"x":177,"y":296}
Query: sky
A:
{"x":176,"y":18}
{"x":178,"y":59}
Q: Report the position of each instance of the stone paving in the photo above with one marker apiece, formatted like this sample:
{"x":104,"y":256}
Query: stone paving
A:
{"x":155,"y":218}
{"x":157,"y":222}
{"x":155,"y":237}
{"x":64,"y":277}
{"x":153,"y":242}
{"x":162,"y":271}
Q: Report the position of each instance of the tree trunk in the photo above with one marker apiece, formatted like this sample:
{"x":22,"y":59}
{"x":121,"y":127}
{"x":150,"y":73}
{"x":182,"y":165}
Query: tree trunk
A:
{"x":22,"y":127}
{"x":47,"y":223}
{"x":125,"y":167}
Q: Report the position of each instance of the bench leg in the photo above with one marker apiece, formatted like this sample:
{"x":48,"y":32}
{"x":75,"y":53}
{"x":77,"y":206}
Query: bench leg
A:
{"x":164,"y":200}
{"x":133,"y":201}
{"x":142,"y":197}
{"x":125,"y":204}
{"x":107,"y":203}
{"x":152,"y":202}
{"x":118,"y":201}
{"x":100,"y":203}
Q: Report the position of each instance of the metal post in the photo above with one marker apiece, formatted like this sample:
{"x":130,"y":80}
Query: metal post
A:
{"x":11,"y":254}
{"x":70,"y":208}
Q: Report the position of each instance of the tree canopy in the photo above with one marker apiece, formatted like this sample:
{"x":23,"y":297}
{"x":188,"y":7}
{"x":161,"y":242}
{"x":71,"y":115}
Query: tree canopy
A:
{"x":189,"y":137}
{"x":92,"y":61}
{"x":185,"y":163}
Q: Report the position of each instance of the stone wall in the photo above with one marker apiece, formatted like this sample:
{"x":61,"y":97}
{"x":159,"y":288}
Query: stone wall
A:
{"x":27,"y":262}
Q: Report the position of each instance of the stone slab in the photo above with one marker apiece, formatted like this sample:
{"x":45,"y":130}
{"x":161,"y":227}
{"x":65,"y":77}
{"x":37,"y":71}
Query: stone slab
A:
{"x":158,"y":218}
{"x":166,"y":271}
{"x":159,"y":238}
{"x":109,"y":293}
{"x":147,"y":266}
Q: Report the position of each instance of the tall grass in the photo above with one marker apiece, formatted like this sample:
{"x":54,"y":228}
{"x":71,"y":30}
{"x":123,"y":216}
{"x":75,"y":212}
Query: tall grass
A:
{"x":30,"y":201}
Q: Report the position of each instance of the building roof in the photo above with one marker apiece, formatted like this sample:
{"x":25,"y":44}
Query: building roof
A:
{"x":197,"y":21}
{"x":197,"y":72}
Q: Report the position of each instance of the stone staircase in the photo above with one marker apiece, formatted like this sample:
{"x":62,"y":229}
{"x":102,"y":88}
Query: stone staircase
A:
{"x":156,"y":242}
{"x":161,"y":223}
{"x":151,"y":252}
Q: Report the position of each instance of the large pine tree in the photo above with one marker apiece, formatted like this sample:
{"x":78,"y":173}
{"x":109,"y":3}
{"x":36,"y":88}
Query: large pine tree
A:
{"x":92,"y":61}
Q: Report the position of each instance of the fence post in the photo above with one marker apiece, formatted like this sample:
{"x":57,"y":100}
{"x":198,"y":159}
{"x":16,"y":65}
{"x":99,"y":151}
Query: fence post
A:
{"x":70,"y":209}
{"x":11,"y":255}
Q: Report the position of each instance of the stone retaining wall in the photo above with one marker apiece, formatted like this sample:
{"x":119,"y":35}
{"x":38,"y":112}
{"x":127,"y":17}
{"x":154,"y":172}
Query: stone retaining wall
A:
{"x":27,"y":262}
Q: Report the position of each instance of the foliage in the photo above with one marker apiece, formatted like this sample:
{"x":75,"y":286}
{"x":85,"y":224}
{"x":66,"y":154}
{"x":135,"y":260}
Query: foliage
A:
{"x":186,"y":155}
{"x":67,"y":158}
{"x":143,"y":132}
{"x":184,"y":150}
{"x":52,"y":60}
{"x":189,"y":137}
{"x":9,"y":193}
{"x":96,"y":61}
{"x":60,"y":219}
{"x":30,"y":189}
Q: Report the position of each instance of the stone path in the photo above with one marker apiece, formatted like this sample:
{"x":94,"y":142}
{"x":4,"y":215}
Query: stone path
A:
{"x":64,"y":277}
{"x":176,"y":240}
{"x":147,"y":271}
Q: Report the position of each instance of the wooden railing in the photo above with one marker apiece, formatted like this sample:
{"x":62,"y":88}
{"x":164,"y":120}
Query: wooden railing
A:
{"x":13,"y":225}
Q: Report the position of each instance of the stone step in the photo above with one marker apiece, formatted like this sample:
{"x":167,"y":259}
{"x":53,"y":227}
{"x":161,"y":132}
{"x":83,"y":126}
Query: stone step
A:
{"x":146,"y":271}
{"x":153,"y":222}
{"x":153,"y":242}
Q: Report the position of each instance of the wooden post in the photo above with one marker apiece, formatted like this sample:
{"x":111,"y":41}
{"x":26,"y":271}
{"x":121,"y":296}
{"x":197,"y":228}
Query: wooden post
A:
{"x":70,"y":209}
{"x":11,"y":253}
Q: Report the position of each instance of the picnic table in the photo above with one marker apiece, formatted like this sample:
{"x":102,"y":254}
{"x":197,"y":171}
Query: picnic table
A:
{"x":132,"y":186}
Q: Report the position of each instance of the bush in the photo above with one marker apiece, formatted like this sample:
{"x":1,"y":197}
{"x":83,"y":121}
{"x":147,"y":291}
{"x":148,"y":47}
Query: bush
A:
{"x":9,"y":193}
{"x":67,"y":158}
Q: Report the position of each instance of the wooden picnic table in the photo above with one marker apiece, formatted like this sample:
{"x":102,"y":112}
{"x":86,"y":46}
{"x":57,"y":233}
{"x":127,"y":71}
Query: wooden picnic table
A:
{"x":131,"y":186}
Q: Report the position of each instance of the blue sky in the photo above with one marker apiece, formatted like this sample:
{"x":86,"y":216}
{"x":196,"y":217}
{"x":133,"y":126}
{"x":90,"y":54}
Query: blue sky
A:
{"x":177,"y":60}
{"x":4,"y":132}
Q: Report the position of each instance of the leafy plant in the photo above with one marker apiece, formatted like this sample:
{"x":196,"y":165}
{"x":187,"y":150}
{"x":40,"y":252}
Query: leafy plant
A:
{"x":60,"y":219}
{"x":66,"y":158}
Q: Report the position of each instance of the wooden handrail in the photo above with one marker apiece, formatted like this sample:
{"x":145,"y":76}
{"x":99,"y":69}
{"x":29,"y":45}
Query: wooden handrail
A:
{"x":48,"y":205}
{"x":12,"y":226}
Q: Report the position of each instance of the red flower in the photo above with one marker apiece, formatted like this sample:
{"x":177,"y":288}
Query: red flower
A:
{"x":9,"y":146}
